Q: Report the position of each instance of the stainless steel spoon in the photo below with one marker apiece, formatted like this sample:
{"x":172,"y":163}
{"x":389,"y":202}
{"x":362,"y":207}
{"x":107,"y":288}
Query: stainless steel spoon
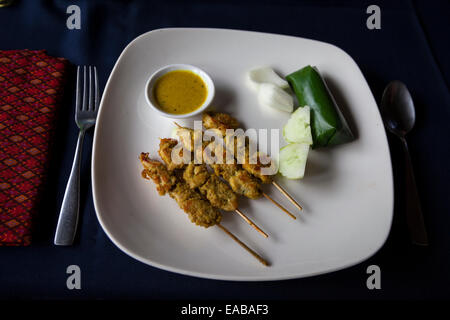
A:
{"x":397,"y":110}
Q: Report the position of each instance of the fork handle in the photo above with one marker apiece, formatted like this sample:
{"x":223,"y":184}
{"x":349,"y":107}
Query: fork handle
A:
{"x":68,"y":216}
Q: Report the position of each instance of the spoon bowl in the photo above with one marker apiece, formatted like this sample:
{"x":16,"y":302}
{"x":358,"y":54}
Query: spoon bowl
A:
{"x":397,"y":109}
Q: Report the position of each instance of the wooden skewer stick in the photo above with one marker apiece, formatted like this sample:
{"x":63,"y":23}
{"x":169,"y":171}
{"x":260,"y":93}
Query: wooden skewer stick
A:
{"x":250,"y":222}
{"x":243,"y":245}
{"x":279,"y":206}
{"x":287,"y":195}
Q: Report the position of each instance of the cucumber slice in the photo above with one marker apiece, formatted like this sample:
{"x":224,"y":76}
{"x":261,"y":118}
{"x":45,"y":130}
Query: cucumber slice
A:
{"x":297,"y":129}
{"x":292,"y":160}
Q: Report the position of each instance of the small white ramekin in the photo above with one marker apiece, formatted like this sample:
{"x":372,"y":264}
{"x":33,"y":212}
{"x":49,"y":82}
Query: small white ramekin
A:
{"x":149,"y":92}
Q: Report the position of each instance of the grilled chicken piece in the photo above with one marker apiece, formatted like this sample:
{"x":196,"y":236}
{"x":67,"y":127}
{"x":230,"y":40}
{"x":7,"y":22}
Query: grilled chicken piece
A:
{"x":220,"y":121}
{"x":255,"y":169}
{"x":157,"y":172}
{"x":186,"y":137}
{"x":219,"y":194}
{"x":196,"y":175}
{"x":210,"y":186}
{"x":252,"y":165}
{"x":223,"y":121}
{"x":199,"y":210}
{"x":165,"y":152}
{"x":240,"y":180}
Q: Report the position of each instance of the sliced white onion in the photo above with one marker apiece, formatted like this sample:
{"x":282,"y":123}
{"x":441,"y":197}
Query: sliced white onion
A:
{"x":255,"y":77}
{"x":272,"y":96}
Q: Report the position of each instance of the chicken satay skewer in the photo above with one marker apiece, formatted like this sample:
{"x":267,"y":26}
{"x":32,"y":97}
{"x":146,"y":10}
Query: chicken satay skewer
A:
{"x":240,"y":180}
{"x":199,"y":210}
{"x":221,"y":122}
{"x":197,"y":176}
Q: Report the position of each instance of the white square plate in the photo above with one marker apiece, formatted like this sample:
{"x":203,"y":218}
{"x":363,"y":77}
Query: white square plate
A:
{"x":347,"y":191}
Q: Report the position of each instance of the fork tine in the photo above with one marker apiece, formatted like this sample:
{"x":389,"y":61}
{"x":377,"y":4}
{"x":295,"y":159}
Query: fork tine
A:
{"x":78,"y":91}
{"x":84,"y":89}
{"x":96,"y":89}
{"x":91,"y":91}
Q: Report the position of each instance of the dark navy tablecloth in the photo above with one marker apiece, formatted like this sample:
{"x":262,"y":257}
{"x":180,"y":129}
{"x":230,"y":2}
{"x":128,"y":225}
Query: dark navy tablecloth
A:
{"x":412,"y":46}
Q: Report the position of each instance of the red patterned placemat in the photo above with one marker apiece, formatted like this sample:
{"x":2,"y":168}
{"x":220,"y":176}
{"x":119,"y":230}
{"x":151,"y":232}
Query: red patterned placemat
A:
{"x":31,"y":85}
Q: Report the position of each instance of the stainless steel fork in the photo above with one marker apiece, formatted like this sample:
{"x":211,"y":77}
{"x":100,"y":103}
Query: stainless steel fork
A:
{"x":86,"y":107}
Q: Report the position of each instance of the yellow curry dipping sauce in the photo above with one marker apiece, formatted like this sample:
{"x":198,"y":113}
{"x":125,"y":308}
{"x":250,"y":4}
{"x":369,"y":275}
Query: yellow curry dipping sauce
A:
{"x":180,"y":92}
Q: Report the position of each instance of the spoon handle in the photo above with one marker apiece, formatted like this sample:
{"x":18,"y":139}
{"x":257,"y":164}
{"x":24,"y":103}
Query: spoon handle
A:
{"x":414,"y":217}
